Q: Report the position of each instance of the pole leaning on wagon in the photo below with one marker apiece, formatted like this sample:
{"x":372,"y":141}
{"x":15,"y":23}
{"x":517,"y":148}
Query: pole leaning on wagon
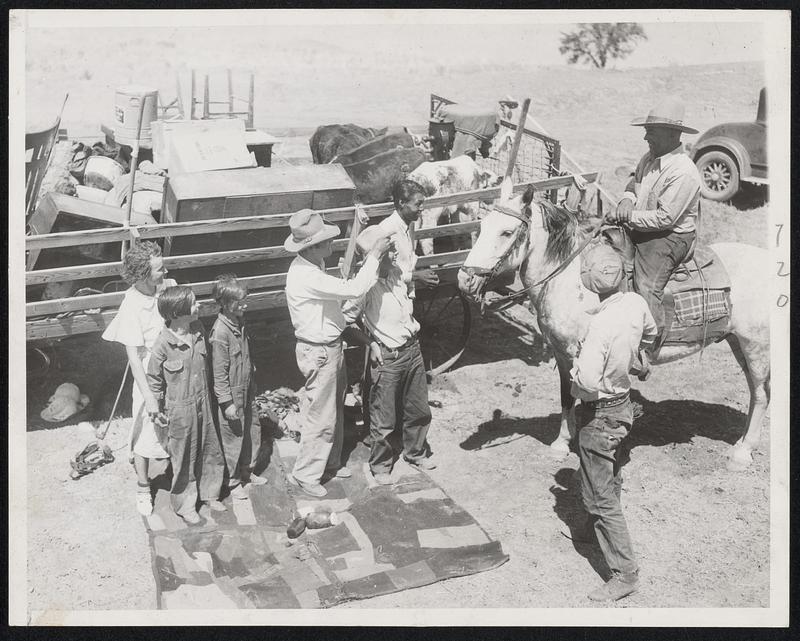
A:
{"x":134,"y":164}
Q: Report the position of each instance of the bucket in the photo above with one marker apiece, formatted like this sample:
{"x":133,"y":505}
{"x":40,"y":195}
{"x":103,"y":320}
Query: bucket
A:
{"x":126,"y":113}
{"x":102,"y":172}
{"x":443,"y":133}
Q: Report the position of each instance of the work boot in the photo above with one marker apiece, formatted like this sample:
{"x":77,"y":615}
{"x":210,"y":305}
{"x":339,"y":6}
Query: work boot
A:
{"x":255,"y":479}
{"x":619,"y":586}
{"x":239,"y":493}
{"x":341,"y":473}
{"x":422,"y":464}
{"x":216,"y":506}
{"x":191,"y":518}
{"x":312,"y":489}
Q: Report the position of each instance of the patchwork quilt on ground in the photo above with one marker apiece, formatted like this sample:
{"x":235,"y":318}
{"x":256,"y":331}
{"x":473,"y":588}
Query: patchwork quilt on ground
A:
{"x":389,"y":538}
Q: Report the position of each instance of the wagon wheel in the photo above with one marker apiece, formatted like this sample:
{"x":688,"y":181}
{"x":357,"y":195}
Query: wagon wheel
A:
{"x":445,"y":320}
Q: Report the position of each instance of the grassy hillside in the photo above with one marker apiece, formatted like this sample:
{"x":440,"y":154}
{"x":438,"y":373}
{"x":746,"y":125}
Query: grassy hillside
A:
{"x":301,"y":84}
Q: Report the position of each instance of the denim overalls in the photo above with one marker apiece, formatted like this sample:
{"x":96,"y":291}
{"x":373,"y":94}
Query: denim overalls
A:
{"x":178,"y":377}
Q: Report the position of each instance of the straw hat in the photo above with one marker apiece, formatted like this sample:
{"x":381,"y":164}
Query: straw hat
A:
{"x":369,"y":236}
{"x":65,"y":401}
{"x":308,"y":229}
{"x":669,"y":113}
{"x":601,"y":270}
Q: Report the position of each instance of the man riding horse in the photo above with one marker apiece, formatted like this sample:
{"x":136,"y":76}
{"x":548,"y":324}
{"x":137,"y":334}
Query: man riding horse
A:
{"x":660,"y":206}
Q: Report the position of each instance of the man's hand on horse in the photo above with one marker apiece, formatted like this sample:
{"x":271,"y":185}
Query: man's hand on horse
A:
{"x":624,"y":211}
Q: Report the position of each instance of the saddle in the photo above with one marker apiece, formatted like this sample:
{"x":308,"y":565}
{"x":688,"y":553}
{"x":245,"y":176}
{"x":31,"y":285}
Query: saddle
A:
{"x":697,"y":307}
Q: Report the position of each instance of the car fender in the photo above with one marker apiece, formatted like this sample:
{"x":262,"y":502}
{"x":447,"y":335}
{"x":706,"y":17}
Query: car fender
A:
{"x":733,"y":147}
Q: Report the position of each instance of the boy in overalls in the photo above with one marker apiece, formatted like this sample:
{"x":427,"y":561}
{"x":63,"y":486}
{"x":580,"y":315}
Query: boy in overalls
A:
{"x":234,"y":385}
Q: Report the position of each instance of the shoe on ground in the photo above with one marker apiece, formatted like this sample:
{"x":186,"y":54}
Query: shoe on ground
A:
{"x":255,"y":479}
{"x":239,"y":493}
{"x":143,"y":503}
{"x":614,"y":589}
{"x":342,"y":473}
{"x":382,"y":478}
{"x":216,"y":506}
{"x":312,"y":489}
{"x":191,"y":518}
{"x":423,"y":464}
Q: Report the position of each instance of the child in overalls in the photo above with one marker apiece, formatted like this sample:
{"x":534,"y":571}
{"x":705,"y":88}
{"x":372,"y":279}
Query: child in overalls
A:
{"x":178,"y":377}
{"x":234,"y":385}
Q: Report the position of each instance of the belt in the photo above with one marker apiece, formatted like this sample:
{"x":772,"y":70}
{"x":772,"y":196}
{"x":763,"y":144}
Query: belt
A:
{"x":410,"y":342}
{"x":332,"y":343}
{"x":608,"y":402}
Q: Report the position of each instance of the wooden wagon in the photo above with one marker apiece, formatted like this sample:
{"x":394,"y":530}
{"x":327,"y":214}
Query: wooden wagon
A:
{"x":445,"y":316}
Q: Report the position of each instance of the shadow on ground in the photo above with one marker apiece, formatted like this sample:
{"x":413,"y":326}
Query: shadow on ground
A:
{"x":663,"y":423}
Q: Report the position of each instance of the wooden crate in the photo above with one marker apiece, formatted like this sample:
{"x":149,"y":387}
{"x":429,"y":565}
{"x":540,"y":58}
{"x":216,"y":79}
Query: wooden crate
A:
{"x":253,"y":191}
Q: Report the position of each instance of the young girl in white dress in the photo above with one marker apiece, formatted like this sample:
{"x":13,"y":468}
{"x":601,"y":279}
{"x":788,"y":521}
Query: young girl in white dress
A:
{"x":137,"y":325}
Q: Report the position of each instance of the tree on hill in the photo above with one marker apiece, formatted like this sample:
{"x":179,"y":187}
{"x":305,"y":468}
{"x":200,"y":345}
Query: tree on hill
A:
{"x":598,"y":43}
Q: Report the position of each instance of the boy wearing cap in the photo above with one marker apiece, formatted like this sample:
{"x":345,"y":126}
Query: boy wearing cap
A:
{"x":398,"y":397}
{"x":661,"y":204}
{"x":618,"y":327}
{"x":314,"y":298}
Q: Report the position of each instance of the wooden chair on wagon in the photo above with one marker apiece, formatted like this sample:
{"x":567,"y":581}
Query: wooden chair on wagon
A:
{"x":38,"y":147}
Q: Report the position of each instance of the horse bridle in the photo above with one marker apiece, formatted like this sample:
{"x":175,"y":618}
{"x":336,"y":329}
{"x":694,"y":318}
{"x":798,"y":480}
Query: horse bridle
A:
{"x":524,"y":232}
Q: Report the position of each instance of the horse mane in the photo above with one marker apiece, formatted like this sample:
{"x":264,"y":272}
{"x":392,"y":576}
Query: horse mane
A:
{"x":562,"y":228}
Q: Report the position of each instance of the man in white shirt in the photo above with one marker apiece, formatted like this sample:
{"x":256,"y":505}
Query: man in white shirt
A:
{"x":409,"y":198}
{"x":314,"y":299}
{"x":619,"y":326}
{"x":661,"y":204}
{"x":398,"y":397}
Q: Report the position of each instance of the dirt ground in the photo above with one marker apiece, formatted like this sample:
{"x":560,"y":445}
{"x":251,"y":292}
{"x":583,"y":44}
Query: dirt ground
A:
{"x":701,"y":533}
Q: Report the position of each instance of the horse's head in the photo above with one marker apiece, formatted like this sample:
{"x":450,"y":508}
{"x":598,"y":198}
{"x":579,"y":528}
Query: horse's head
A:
{"x":517,"y":231}
{"x":502,"y":243}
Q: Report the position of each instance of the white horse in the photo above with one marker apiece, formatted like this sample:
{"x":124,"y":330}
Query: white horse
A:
{"x":539,"y":239}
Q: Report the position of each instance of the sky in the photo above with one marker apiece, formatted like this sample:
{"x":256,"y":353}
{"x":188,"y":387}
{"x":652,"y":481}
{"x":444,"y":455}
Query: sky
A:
{"x":457,"y":36}
{"x":684,"y":43}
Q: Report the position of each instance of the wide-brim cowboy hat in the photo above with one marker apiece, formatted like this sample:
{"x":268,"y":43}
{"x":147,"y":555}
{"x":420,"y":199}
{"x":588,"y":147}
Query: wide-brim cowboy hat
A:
{"x":61,"y":406}
{"x":369,"y":236}
{"x":308,"y":229}
{"x":669,"y":113}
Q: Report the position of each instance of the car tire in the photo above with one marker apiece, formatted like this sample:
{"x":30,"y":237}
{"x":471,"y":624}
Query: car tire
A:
{"x":719,"y":176}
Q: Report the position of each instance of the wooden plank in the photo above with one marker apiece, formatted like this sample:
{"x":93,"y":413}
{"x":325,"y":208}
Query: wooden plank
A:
{"x":104,"y":270}
{"x":49,"y":328}
{"x":451,"y":229}
{"x":74,"y":238}
{"x":446,"y":258}
{"x":83,"y":272}
{"x":113,"y":299}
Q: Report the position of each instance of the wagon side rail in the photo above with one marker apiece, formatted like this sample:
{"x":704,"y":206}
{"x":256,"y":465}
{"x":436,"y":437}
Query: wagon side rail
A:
{"x":85,"y":314}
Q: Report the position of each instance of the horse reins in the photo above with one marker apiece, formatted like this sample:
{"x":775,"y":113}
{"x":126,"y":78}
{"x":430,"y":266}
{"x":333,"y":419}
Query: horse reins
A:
{"x":505,"y":301}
